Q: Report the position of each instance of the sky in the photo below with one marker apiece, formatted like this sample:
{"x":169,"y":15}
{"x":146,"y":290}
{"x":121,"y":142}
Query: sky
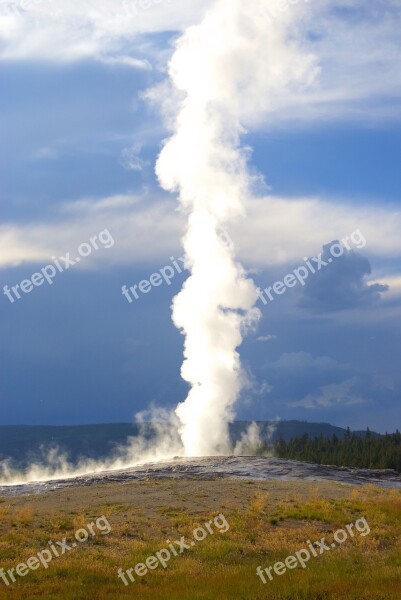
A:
{"x":81,"y":124}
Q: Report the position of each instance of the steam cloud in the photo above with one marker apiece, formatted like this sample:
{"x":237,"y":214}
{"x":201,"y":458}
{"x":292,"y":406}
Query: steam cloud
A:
{"x":226,"y":71}
{"x":157,"y":440}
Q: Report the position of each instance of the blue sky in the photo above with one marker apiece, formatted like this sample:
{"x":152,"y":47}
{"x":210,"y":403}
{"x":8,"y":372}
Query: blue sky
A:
{"x":78,"y":146}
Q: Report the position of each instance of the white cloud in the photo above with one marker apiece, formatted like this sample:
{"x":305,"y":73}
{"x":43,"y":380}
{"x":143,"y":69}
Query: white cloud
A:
{"x":56,"y":30}
{"x":102,"y":206}
{"x":282,"y":230}
{"x":333,"y":394}
{"x":394,"y":283}
{"x":267,"y":338}
{"x":127,"y":61}
{"x":142,"y":232}
{"x":131,"y":159}
{"x":359,"y":51}
{"x":277,"y":231}
{"x":357,"y":44}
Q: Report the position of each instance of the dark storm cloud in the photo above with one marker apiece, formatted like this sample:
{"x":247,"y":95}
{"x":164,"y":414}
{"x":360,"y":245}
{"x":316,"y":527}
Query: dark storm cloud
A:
{"x":342,"y":284}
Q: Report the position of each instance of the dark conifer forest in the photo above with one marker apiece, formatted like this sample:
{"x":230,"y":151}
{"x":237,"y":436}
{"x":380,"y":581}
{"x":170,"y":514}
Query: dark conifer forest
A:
{"x":353,"y":450}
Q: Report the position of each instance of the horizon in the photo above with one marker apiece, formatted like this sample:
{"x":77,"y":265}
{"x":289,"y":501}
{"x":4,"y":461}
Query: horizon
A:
{"x":249,"y":421}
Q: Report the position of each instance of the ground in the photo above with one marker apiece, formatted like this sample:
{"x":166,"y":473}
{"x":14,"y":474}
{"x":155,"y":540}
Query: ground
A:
{"x":261,"y":523}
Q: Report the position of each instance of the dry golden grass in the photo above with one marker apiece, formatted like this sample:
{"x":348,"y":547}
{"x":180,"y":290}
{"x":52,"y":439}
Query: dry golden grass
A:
{"x":268,"y":522}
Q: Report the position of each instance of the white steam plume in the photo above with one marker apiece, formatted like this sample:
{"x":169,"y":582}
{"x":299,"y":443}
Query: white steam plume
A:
{"x":226,"y":72}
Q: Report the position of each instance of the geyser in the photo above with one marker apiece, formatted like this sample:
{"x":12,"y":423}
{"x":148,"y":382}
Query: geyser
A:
{"x":226,"y":73}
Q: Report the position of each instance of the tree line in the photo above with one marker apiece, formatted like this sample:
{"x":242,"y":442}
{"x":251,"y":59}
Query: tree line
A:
{"x":364,"y":451}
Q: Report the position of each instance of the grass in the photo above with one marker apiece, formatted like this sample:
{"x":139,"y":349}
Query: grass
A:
{"x":223,"y":566}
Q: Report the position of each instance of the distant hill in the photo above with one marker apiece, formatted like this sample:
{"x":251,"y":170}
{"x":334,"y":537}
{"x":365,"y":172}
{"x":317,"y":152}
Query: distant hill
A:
{"x":272,"y":431}
{"x":22,"y":443}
